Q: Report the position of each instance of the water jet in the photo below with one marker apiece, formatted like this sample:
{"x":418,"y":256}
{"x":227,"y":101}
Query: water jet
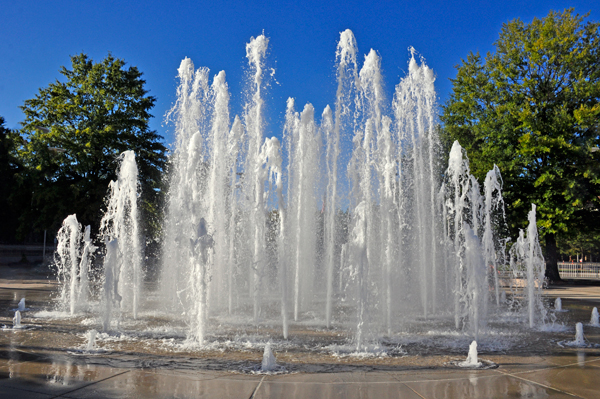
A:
{"x":471,"y":357}
{"x":330,"y":231}
{"x":558,"y":305}
{"x":17,"y":320}
{"x":595,"y":320}
{"x":21,"y":305}
{"x":268,"y":361}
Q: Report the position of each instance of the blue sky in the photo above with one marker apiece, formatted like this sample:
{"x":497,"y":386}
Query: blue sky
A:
{"x":37,"y":37}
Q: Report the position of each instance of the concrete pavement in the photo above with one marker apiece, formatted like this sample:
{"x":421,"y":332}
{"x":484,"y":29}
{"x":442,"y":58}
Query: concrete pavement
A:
{"x":36,"y":366}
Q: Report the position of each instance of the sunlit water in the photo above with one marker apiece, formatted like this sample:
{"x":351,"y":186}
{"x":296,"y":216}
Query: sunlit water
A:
{"x":347,"y":236}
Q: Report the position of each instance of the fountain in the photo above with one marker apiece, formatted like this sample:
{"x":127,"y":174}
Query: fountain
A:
{"x":471,"y":357}
{"x":66,"y":261}
{"x":120,"y":223}
{"x":268,"y":361}
{"x":17,"y":320}
{"x":21,"y":305}
{"x":579,"y":339}
{"x":595,"y":321}
{"x":526,"y":261}
{"x":558,"y":305}
{"x":334,"y":228}
{"x":91,"y":340}
{"x":110,"y":295}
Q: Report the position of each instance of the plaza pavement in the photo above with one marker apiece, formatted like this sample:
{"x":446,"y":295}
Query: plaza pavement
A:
{"x":26,"y":372}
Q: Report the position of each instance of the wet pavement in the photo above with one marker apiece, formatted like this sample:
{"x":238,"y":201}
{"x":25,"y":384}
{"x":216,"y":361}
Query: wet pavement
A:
{"x":531,"y":377}
{"x":44,"y":362}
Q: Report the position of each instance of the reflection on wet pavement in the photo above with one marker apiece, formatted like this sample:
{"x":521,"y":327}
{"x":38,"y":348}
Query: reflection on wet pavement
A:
{"x":48,"y":360}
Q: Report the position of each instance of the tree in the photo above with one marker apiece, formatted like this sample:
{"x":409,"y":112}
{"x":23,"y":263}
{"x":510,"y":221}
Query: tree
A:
{"x":72,"y":135}
{"x":584,"y":245}
{"x":532,"y":107}
{"x":10,"y":193}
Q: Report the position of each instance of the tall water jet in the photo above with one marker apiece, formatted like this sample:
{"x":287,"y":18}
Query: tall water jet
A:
{"x":85,"y":264}
{"x":267,"y":173}
{"x":469,"y":218}
{"x":74,"y":252}
{"x":347,"y":77}
{"x":186,"y":204}
{"x":363,"y":185}
{"x":526,"y":257}
{"x":391,"y":231}
{"x":201,"y":244}
{"x":111,"y":299}
{"x":121,"y":222}
{"x":67,"y":262}
{"x":304,"y":158}
{"x":219,"y":169}
{"x":595,"y":320}
{"x":414,"y":103}
{"x":256,"y":51}
{"x":475,"y":289}
{"x":234,"y":142}
{"x":536,"y":268}
{"x":387,"y":189}
{"x":456,"y":190}
{"x":282,"y":252}
{"x":494,"y":216}
{"x":358,"y":264}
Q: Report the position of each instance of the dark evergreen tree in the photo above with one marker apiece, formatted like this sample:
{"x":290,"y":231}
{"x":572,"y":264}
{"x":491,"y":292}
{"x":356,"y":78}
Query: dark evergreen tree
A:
{"x":11,"y":185}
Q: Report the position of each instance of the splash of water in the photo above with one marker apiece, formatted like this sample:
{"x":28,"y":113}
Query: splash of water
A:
{"x":17,"y":320}
{"x":388,"y":230}
{"x":111,"y":299}
{"x":302,"y":193}
{"x":121,"y":222}
{"x":528,"y":263}
{"x":91,"y":340}
{"x":471,"y":357}
{"x":494,"y":216}
{"x":341,"y":226}
{"x":558,"y":305}
{"x":72,"y":265}
{"x":21,"y":305}
{"x":595,"y":320}
{"x":332,"y":126}
{"x":579,"y":338}
{"x":268,"y":361}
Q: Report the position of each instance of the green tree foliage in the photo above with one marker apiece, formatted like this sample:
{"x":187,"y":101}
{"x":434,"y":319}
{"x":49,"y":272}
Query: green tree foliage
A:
{"x":532,"y":107}
{"x":73,"y":134}
{"x":10,"y":184}
{"x":581,"y":245}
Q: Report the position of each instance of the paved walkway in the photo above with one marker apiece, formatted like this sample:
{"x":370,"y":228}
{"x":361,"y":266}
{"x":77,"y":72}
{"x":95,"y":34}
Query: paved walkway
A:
{"x":585,"y":292}
{"x":27,"y":371}
{"x":527,"y":377}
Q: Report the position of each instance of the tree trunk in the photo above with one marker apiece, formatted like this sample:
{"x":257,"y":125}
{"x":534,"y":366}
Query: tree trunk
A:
{"x":551,"y":259}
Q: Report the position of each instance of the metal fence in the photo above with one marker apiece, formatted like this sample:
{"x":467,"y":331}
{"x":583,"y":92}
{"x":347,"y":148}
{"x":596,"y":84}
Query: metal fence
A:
{"x":583,"y":270}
